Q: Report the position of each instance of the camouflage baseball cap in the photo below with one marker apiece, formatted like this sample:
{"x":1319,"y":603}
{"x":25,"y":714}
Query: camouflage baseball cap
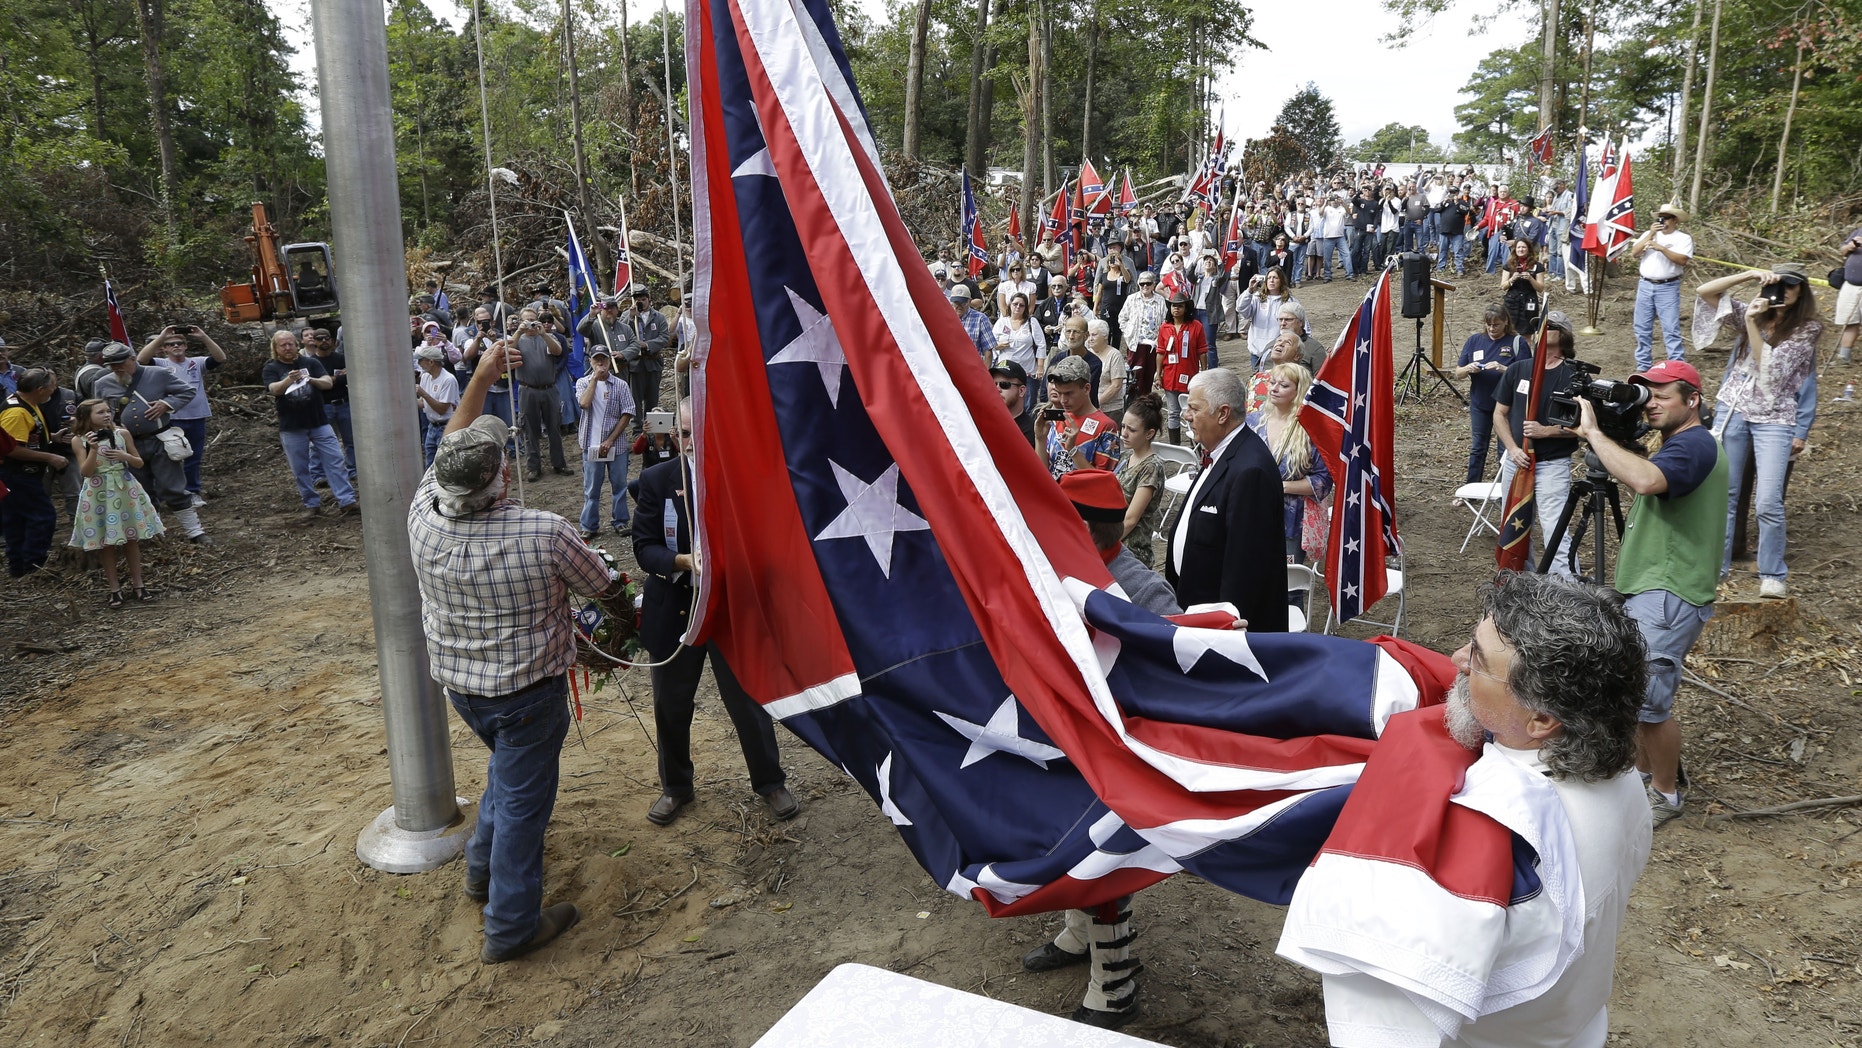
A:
{"x":469,"y":459}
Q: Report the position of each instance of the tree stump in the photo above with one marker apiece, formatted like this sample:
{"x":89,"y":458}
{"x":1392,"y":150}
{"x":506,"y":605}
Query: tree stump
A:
{"x":1748,"y":627}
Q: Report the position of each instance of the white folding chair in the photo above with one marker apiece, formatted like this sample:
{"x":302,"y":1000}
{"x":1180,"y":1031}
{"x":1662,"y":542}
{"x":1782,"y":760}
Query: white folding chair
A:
{"x":1393,"y":588}
{"x":1477,"y":499}
{"x":1302,"y":580}
{"x":1177,"y":464}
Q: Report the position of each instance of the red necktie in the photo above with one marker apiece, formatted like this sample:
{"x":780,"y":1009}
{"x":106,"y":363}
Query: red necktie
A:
{"x":1207,"y":460}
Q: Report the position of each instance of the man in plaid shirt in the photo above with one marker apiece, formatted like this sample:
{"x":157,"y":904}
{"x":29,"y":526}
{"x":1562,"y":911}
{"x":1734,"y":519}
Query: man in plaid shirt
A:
{"x":495,"y":580}
{"x":975,"y":322}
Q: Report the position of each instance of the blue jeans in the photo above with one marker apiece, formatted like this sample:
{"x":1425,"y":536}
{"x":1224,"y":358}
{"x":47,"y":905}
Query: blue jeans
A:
{"x":28,"y":520}
{"x":338,"y":414}
{"x":1330,"y":246}
{"x":430,"y":443}
{"x":615,"y":472}
{"x":1296,"y":261}
{"x":1451,"y":246}
{"x":1770,"y":446}
{"x":1481,"y":423}
{"x":1669,"y":627}
{"x":1354,"y":249}
{"x":1558,"y":244}
{"x":297,"y":444}
{"x":1409,"y":237}
{"x":498,"y":402}
{"x":1657,"y":300}
{"x":1496,"y":252}
{"x":195,"y":430}
{"x":524,"y":731}
{"x":1551,"y":488}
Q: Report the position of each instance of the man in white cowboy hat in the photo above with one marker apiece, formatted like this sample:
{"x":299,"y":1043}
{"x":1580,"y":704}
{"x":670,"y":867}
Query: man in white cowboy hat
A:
{"x":1665,"y":252}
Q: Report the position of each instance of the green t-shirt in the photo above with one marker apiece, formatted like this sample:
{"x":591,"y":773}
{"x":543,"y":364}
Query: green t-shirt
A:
{"x":1674,"y":541}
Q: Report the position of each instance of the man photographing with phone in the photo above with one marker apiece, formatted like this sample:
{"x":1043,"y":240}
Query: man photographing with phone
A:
{"x":1079,"y":436}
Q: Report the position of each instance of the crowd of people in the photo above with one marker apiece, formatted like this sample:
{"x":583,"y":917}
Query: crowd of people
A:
{"x":96,"y":486}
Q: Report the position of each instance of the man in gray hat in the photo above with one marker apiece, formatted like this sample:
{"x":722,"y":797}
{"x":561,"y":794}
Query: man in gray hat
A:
{"x":495,"y":580}
{"x":644,"y":338}
{"x":144,"y":398}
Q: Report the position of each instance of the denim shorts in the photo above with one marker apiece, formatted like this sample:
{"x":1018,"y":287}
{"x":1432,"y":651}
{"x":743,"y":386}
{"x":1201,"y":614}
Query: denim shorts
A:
{"x":1670,"y":626}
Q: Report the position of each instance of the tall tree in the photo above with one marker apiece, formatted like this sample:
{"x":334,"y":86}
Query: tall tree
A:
{"x":915,"y":78}
{"x":982,"y":93}
{"x":1309,"y":119}
{"x":149,"y":15}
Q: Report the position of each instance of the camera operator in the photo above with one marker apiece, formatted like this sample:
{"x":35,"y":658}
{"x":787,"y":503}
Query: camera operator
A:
{"x":1665,"y":565}
{"x":1516,"y":421}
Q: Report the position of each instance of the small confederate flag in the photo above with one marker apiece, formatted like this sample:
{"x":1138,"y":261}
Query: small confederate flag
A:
{"x":1127,"y":200}
{"x":1015,"y":222}
{"x":1541,"y":146}
{"x":1350,"y":416}
{"x":623,"y":262}
{"x":1231,"y":244}
{"x":973,"y":229}
{"x":118,"y":330}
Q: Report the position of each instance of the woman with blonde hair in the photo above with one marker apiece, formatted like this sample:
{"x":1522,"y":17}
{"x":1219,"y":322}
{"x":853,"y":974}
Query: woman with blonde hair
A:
{"x":1304,"y":480}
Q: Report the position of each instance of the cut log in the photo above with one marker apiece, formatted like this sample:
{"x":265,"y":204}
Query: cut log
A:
{"x":1746,"y":627}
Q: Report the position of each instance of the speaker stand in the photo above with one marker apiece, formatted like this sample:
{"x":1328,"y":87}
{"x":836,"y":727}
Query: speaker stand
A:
{"x":1409,"y":384}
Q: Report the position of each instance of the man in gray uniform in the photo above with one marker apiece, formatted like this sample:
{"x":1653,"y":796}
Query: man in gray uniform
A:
{"x":644,"y":338}
{"x":539,"y":415}
{"x":145,"y":398}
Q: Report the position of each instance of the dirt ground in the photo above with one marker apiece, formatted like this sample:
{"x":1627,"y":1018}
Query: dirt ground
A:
{"x":184,"y":783}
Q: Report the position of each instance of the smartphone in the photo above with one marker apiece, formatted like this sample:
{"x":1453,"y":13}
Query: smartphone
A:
{"x":659,"y":422}
{"x":1773,"y":293}
{"x":1053,"y":415}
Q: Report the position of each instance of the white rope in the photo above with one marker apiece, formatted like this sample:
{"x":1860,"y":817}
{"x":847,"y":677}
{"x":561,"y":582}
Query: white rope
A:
{"x":497,"y":257}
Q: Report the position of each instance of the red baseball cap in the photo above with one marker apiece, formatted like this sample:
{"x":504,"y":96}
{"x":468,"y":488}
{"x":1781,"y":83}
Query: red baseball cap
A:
{"x":1668,"y":371}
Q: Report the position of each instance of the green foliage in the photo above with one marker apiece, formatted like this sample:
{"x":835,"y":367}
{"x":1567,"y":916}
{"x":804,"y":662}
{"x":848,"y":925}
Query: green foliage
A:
{"x":1397,"y":143}
{"x":1305,"y":135}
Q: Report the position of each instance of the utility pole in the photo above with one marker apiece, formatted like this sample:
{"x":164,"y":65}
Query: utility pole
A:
{"x":1547,"y":60}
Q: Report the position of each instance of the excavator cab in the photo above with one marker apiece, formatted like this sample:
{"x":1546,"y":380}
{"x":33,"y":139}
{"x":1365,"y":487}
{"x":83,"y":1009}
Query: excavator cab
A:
{"x":313,"y":287}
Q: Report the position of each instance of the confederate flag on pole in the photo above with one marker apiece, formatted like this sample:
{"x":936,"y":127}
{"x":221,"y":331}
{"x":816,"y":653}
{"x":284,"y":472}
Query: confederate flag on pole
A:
{"x":119,"y":331}
{"x":1127,"y":200}
{"x":1351,"y":416}
{"x":623,"y":261}
{"x":893,"y":576}
{"x":977,"y":248}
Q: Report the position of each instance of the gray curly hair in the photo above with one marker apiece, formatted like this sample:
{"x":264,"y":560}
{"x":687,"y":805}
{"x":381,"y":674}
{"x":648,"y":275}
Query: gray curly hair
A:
{"x":1577,"y":656}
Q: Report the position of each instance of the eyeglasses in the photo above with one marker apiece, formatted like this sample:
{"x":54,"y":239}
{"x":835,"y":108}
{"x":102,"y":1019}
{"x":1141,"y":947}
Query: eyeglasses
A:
{"x":1007,"y":385}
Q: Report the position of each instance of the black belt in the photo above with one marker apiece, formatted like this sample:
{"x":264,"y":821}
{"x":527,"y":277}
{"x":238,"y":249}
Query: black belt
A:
{"x":1652,"y":280}
{"x":514,"y":691}
{"x":528,"y":385}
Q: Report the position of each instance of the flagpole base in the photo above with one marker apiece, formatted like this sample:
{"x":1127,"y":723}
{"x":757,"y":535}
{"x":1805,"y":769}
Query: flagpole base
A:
{"x":384,"y":845}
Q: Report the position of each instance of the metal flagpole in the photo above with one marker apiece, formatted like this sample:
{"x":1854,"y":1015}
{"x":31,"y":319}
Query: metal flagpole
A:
{"x":425,"y":827}
{"x":672,"y":151}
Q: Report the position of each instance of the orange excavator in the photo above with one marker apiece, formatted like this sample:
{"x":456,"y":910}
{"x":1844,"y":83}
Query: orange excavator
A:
{"x":296,"y":281}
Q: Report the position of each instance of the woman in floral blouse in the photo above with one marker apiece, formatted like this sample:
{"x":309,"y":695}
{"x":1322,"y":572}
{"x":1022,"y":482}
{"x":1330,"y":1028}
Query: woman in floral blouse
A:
{"x":1775,"y":339}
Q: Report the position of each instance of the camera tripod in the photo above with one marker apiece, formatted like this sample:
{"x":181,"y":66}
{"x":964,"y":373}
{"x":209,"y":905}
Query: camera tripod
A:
{"x":1586,"y":504}
{"x":1409,"y":381}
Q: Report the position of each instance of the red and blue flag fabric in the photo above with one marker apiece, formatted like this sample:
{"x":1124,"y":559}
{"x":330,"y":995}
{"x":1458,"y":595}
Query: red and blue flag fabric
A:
{"x":891,"y":575}
{"x":1231,"y":243}
{"x":623,"y":257}
{"x":1127,"y":200}
{"x":1350,"y":414}
{"x":1091,"y":185}
{"x":975,"y":246}
{"x":119,"y":331}
{"x":1580,"y":214}
{"x":582,"y":294}
{"x":1540,"y":148}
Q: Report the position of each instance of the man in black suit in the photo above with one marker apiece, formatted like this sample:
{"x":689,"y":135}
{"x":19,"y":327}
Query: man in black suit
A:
{"x":1228,"y":544}
{"x":663,"y":549}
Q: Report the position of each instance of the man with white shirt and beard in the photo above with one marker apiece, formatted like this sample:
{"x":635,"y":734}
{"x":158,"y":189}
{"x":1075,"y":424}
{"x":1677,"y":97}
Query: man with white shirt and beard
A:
{"x":1551,"y":678}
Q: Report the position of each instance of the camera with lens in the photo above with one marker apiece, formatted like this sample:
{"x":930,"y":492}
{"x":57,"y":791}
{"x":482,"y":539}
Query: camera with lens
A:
{"x":1618,"y":405}
{"x":1773,"y":293}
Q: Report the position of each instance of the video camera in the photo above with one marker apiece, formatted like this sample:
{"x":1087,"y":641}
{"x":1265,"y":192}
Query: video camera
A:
{"x":1618,"y":404}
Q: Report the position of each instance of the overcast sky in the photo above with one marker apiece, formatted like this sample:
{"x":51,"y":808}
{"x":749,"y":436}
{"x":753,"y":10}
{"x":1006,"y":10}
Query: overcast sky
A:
{"x":1369,"y":83}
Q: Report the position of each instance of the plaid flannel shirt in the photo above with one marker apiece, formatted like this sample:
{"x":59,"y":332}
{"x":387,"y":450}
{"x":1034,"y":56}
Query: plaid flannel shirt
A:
{"x":494,"y":592}
{"x":982,"y":332}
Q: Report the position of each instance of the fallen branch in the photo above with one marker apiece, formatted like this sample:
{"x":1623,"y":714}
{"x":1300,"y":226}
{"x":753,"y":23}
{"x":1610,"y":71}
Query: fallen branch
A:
{"x":662,"y":902}
{"x":1786,"y":809}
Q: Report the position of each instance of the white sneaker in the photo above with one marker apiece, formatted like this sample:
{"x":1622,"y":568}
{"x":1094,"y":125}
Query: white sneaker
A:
{"x":199,"y":502}
{"x":1773,"y":589}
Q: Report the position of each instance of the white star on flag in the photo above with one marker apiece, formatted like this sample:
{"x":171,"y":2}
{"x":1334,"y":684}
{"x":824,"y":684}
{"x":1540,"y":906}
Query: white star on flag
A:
{"x":758,"y":164}
{"x":1351,"y":590}
{"x":1351,"y":545}
{"x":886,"y":806}
{"x":817,"y":344}
{"x":1191,"y":643}
{"x":873,"y":513}
{"x":1002,"y":733}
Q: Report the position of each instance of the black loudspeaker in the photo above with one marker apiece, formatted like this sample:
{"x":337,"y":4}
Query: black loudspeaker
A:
{"x":1417,"y":296}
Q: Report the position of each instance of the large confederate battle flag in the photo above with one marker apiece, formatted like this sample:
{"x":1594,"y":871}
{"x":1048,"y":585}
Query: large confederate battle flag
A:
{"x":931,"y":616}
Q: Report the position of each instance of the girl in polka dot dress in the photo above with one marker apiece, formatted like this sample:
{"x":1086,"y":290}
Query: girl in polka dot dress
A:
{"x":113,"y":510}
